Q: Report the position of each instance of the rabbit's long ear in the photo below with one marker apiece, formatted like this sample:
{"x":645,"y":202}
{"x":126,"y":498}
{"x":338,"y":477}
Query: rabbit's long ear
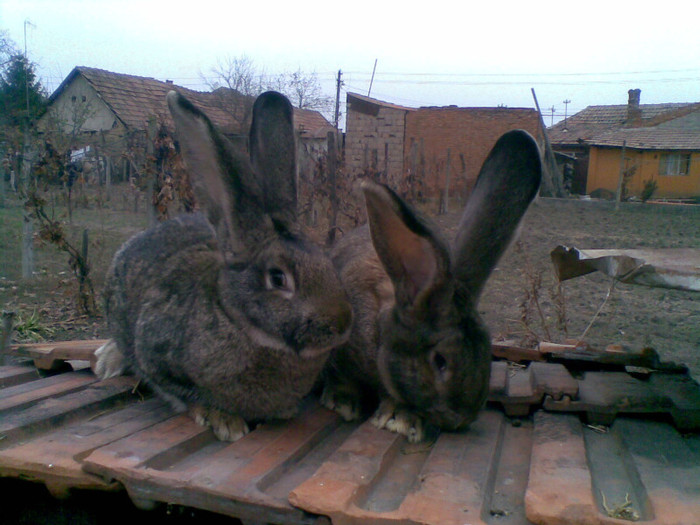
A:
{"x":414,"y":257}
{"x":507,"y":183}
{"x":273,"y":155}
{"x":221,"y":177}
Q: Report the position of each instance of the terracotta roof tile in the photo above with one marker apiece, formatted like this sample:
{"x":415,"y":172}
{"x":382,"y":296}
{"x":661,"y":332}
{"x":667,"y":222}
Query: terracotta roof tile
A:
{"x":594,"y":120}
{"x":648,"y":138}
{"x":135,"y":99}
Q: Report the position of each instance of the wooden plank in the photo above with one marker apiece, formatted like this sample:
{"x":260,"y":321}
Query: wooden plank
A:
{"x":47,"y":356}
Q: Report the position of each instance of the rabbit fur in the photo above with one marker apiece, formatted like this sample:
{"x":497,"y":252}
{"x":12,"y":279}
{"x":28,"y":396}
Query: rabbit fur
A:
{"x":229,"y":313}
{"x":418,"y":349}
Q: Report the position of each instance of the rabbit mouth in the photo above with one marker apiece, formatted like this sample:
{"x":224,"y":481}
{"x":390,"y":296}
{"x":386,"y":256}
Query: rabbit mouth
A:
{"x":307,"y":351}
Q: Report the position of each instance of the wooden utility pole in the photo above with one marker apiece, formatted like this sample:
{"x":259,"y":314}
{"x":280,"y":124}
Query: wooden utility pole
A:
{"x":338,"y":83}
{"x":551,"y":183}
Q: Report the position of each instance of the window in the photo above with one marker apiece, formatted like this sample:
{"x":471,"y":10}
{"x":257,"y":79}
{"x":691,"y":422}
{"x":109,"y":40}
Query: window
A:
{"x":674,"y":164}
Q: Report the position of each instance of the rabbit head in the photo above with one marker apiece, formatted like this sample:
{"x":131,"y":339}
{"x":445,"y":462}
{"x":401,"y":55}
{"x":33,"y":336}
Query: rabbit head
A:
{"x":434,"y":354}
{"x":283,"y":284}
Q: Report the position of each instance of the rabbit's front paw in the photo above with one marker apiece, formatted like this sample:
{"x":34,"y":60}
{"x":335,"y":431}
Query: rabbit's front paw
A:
{"x":394,"y":417}
{"x":109,"y":361}
{"x":345,"y":405}
{"x":226,"y":426}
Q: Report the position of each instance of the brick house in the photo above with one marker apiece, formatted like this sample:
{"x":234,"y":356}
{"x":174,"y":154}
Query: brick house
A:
{"x":409,"y":148}
{"x":646,"y":143}
{"x":115,"y":114}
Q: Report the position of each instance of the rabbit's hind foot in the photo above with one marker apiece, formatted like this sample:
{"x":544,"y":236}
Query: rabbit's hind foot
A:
{"x":226,"y":426}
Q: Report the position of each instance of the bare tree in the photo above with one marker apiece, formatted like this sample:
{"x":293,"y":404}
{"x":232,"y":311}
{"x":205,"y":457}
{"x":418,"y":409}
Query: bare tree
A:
{"x":241,"y":75}
{"x":237,"y":73}
{"x":304,"y":91}
{"x":7,"y":48}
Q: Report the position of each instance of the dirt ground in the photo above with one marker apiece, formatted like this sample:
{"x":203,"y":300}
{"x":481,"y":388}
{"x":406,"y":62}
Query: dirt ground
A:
{"x":633,"y":316}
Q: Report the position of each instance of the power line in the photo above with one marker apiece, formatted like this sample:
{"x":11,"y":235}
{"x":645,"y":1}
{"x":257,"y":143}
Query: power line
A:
{"x":550,"y":74}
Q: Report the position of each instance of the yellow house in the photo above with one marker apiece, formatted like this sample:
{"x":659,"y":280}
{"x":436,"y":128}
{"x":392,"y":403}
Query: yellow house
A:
{"x":637,"y":157}
{"x":632,"y":146}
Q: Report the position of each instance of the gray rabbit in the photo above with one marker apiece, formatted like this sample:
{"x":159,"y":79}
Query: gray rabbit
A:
{"x":230,"y":313}
{"x":418,"y":348}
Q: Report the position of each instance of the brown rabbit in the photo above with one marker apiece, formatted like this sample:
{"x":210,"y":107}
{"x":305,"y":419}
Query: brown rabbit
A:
{"x":230,"y":313}
{"x":418,"y":346}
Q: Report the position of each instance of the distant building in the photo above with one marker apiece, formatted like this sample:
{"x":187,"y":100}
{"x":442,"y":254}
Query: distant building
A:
{"x":409,"y":148}
{"x":114,"y":113}
{"x":661,"y":144}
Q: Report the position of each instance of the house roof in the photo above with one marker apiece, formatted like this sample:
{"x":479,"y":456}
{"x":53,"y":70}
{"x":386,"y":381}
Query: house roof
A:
{"x":647,"y":138}
{"x":595,"y":121}
{"x":370,"y":100}
{"x":135,"y":99}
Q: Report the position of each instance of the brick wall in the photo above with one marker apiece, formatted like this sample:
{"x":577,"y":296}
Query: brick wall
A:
{"x":374,"y":139}
{"x":407,"y":148}
{"x":469,"y":134}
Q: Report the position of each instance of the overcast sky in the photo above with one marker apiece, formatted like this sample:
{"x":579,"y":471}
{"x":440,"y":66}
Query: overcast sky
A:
{"x":428,"y":53}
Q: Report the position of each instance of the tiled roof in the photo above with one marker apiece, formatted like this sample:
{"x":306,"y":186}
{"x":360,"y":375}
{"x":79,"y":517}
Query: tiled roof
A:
{"x":594,"y":120}
{"x":648,"y":138}
{"x":135,"y":99}
{"x":311,"y":123}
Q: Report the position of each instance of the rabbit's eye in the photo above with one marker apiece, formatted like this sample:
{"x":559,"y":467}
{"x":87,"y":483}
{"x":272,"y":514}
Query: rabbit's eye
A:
{"x":276,"y":279}
{"x":439,"y":362}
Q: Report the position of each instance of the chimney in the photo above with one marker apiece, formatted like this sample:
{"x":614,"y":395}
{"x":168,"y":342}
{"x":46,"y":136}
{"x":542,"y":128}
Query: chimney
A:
{"x":634,"y":114}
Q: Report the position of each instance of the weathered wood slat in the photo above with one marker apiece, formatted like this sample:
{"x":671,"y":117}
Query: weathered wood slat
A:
{"x":48,"y":356}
